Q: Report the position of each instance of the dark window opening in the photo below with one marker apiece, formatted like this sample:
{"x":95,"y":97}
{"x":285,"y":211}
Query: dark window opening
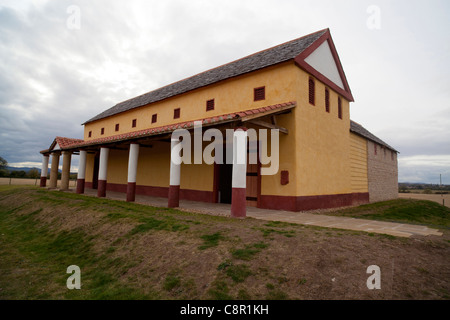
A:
{"x":154,"y":118}
{"x":340,"y":108}
{"x":210,"y":105}
{"x":102,"y":131}
{"x":176,"y":113}
{"x":133,"y":123}
{"x":312,"y":92}
{"x":259,"y":93}
{"x":117,"y":127}
{"x":90,"y":134}
{"x":327,"y":100}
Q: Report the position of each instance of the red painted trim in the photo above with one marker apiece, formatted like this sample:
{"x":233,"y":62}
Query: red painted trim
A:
{"x":80,"y":186}
{"x":300,"y":61}
{"x":184,"y":194}
{"x":43,"y":182}
{"x":101,"y":192}
{"x":88,"y":185}
{"x":162,"y":192}
{"x":360,"y":198}
{"x":174,"y":196}
{"x":131,"y":191}
{"x":303,"y":203}
{"x":238,"y":203}
{"x":288,"y":203}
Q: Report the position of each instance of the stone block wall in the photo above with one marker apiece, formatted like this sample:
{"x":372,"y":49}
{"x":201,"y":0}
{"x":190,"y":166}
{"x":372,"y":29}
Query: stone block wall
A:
{"x":382,"y":172}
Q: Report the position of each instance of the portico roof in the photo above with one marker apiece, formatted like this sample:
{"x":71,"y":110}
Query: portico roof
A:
{"x":75,"y":144}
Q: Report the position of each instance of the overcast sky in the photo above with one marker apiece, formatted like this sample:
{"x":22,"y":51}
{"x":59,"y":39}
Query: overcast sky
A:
{"x":63,"y":62}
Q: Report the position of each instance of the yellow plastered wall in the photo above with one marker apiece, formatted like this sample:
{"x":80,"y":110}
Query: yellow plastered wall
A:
{"x":271,"y":184}
{"x":315,"y":152}
{"x":358,"y":163}
{"x":154,"y":169}
{"x":89,"y":167}
{"x":322,"y":142}
{"x":232,"y":95}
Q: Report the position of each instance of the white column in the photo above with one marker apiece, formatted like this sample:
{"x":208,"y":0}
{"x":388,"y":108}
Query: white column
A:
{"x":175,"y":170}
{"x":81,"y":171}
{"x":44,"y":170}
{"x":132,"y":171}
{"x":102,"y":172}
{"x":239,"y":176}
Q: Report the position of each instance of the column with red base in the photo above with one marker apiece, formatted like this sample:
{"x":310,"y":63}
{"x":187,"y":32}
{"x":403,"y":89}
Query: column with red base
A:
{"x":81,"y":172}
{"x":132,"y":171}
{"x":44,"y":170}
{"x":239,"y":177}
{"x":102,"y":172}
{"x":175,"y":171}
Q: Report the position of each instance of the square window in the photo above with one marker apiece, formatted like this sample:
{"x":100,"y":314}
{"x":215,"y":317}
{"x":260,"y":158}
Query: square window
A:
{"x":210,"y":105}
{"x":259,"y":93}
{"x":154,"y":118}
{"x":133,"y":123}
{"x":176,"y":113}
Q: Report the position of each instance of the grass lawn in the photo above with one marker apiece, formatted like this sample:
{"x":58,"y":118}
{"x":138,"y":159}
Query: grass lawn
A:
{"x":131,"y":251}
{"x":402,"y":210}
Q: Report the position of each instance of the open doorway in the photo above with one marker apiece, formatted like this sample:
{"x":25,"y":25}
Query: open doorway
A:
{"x":224,"y":173}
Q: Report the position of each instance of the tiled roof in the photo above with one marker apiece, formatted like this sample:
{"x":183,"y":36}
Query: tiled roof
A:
{"x":269,"y":57}
{"x":65,"y":143}
{"x":355,"y":127}
{"x":182,"y":125}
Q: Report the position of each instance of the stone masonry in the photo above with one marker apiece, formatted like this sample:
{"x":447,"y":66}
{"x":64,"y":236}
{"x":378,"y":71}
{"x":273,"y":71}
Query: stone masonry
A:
{"x":382,"y":172}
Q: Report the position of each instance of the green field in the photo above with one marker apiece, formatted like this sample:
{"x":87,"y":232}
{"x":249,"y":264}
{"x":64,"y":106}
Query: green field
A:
{"x":131,"y":251}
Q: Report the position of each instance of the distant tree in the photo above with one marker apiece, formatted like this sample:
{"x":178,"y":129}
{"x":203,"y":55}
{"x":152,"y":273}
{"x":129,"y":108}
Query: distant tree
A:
{"x":4,"y":173}
{"x":18,"y":174}
{"x":33,"y":173}
{"x":3,"y":163}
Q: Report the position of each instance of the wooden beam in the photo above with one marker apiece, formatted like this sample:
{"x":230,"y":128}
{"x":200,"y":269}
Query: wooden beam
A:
{"x":268,"y":125}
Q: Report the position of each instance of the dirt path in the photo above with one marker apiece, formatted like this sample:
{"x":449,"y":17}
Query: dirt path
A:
{"x":432,"y":197}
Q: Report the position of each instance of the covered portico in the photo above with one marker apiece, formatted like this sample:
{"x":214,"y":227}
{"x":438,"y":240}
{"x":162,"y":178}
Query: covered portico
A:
{"x":134,"y":143}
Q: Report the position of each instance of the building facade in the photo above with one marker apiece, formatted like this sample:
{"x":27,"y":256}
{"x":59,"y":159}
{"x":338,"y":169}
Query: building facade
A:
{"x":297,"y":88}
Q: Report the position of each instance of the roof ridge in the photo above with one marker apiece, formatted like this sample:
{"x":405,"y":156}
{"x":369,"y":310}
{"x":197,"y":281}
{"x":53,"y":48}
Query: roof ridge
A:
{"x":368,"y":135}
{"x":201,"y":79}
{"x":225,"y":64}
